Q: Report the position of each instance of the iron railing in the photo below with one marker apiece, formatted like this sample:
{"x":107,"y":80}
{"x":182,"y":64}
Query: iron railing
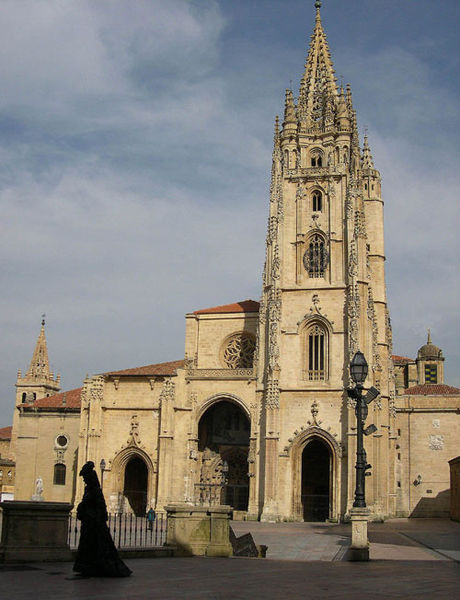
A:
{"x":127,"y":530}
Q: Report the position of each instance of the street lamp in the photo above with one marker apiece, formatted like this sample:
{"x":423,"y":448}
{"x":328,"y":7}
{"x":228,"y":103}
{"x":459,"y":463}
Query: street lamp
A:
{"x":359,"y":549}
{"x":102,"y":466}
{"x":358,"y":371}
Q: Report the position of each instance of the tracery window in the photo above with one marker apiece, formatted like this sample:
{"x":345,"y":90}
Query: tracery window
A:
{"x":316,"y":353}
{"x":316,"y":158}
{"x":316,"y":256}
{"x":317,"y":201}
{"x":59,"y":474}
{"x":238,"y":352}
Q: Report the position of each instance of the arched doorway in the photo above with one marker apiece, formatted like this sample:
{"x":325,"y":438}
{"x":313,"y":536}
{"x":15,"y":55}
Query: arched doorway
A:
{"x":135,"y":486}
{"x":223,"y":441}
{"x":316,"y":481}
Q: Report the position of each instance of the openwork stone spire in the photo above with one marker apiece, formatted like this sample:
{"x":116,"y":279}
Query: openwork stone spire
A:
{"x":39,"y":365}
{"x":318,"y":89}
{"x":368,"y":162}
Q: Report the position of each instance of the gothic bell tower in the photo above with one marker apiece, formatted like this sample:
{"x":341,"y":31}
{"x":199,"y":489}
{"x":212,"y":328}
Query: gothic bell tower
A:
{"x":323,"y":298}
{"x":39,"y":381}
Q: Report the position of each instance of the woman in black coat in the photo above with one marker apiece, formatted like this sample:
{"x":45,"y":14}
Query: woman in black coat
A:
{"x":96,"y":555}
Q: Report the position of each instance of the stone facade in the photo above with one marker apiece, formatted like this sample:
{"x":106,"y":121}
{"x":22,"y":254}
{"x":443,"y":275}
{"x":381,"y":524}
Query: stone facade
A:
{"x":257,"y":415}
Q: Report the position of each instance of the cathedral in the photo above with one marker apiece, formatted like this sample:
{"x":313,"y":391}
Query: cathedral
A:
{"x":256,"y":415}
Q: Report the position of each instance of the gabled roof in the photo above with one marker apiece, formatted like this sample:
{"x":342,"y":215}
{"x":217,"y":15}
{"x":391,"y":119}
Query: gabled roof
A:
{"x":432,"y":389}
{"x":250,"y":306}
{"x":166,"y":368}
{"x":5,"y":433}
{"x":402,"y":359}
{"x":70,"y":399}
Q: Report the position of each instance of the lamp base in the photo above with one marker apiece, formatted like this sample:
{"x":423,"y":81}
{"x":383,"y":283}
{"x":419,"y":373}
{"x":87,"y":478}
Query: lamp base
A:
{"x":359,"y":549}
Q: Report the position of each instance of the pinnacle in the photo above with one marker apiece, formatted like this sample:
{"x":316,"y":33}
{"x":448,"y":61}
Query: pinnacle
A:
{"x":368,"y":162}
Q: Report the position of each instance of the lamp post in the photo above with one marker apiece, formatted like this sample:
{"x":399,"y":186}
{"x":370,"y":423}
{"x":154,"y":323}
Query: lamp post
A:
{"x":358,"y":371}
{"x":359,"y":513}
{"x":102,"y":466}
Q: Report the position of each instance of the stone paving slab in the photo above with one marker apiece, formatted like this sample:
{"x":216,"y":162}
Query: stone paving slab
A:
{"x":295,"y":541}
{"x":239,"y":579}
{"x":444,"y":544}
{"x":396,"y":539}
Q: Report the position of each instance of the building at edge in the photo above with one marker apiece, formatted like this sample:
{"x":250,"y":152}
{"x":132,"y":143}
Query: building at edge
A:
{"x":256,"y":414}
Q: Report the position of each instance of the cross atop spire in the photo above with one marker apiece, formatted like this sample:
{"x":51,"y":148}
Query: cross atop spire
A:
{"x":39,"y":365}
{"x":318,"y":89}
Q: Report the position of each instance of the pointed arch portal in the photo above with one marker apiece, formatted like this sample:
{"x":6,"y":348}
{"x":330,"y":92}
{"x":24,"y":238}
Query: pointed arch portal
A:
{"x":135,"y":485}
{"x":316,"y":480}
{"x":223,"y":435}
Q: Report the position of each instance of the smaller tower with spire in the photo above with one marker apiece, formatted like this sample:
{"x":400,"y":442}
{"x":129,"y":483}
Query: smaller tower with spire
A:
{"x":430,"y":363}
{"x":39,"y":381}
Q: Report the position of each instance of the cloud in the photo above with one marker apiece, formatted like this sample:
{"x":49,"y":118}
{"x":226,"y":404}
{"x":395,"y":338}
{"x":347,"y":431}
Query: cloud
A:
{"x":135,"y":143}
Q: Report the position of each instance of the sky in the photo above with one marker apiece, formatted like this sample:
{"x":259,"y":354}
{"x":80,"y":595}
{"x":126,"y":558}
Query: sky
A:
{"x":135,"y":153}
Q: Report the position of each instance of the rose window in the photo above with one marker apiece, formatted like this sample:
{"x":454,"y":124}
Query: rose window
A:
{"x":239,"y":351}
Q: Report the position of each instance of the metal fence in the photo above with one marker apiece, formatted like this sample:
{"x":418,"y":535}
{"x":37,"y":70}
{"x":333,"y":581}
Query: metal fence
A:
{"x":127,"y":530}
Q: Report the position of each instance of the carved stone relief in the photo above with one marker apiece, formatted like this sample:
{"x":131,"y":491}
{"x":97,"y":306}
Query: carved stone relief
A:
{"x":168,"y":391}
{"x":436,"y":442}
{"x":272,"y":394}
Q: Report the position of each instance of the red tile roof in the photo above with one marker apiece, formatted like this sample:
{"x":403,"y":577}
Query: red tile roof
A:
{"x":237,"y":307}
{"x":5,"y":433}
{"x":70,"y":399}
{"x":402,"y":359}
{"x":433,"y":389}
{"x":166,"y":368}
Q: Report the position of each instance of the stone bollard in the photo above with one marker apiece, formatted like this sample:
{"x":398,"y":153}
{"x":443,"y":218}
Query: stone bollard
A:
{"x":359,"y":549}
{"x":199,"y":530}
{"x":35,"y":531}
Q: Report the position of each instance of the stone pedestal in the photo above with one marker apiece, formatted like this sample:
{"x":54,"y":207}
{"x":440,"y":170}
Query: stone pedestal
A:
{"x":199,"y":530}
{"x":359,"y":549}
{"x":34,"y":531}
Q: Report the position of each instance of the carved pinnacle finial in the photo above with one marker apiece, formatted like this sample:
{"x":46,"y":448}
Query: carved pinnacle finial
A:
{"x":428,"y":341}
{"x":318,"y":4}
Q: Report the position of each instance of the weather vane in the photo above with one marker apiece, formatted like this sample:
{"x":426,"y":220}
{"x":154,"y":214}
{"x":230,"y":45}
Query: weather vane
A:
{"x":43,"y":318}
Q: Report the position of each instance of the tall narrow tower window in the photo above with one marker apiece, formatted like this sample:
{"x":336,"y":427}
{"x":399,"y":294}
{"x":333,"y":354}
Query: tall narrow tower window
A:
{"x":316,"y":349}
{"x":317,"y":201}
{"x":316,"y":256}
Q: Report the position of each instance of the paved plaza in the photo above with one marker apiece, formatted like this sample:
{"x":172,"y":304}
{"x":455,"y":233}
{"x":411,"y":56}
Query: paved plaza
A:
{"x":410,"y":559}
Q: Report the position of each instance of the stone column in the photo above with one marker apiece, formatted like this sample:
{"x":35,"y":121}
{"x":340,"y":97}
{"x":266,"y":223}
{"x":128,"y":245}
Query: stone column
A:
{"x":165,"y":445}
